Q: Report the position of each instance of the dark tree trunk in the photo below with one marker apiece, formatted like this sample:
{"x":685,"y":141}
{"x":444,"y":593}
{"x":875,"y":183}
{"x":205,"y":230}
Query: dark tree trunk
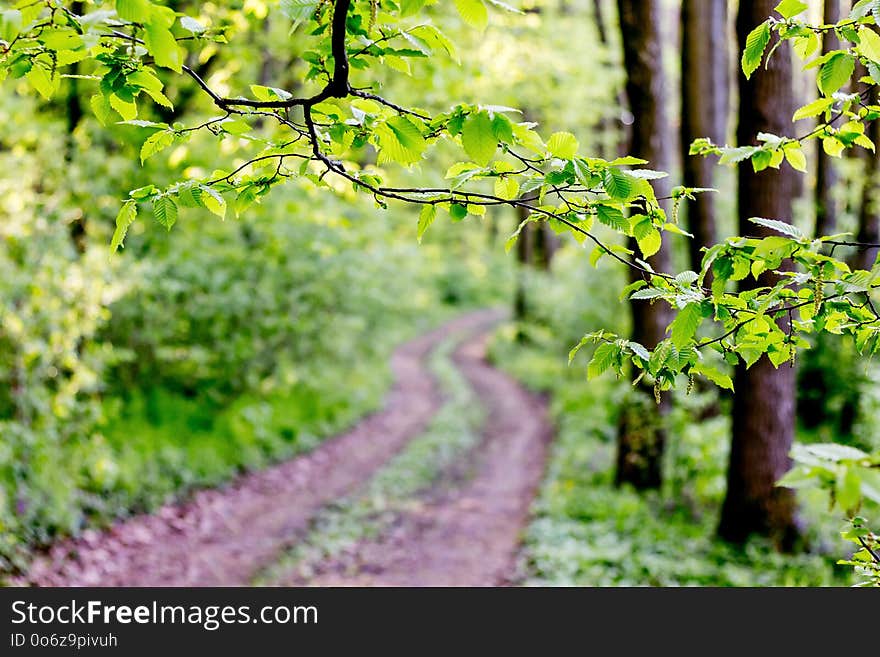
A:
{"x":641,"y":436}
{"x":705,"y":98}
{"x":614,"y":130}
{"x":764,"y":403}
{"x":546,"y":243}
{"x":535,"y":248}
{"x":869,"y":210}
{"x":524,"y":251}
{"x":826,"y":172}
{"x":77,"y":228}
{"x":598,"y":17}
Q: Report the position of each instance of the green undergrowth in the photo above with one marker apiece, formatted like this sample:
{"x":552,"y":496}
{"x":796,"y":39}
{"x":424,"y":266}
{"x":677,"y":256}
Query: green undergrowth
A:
{"x":453,"y":431}
{"x":165,"y":444}
{"x":160,"y":445}
{"x":587,"y":532}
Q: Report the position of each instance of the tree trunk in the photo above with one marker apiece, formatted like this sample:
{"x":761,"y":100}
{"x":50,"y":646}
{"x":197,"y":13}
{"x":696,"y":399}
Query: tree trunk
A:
{"x":524,"y":249}
{"x":641,"y":435}
{"x":600,"y":22}
{"x":826,"y":172}
{"x":869,"y":210}
{"x":764,"y":403}
{"x":705,"y":98}
{"x":77,"y":228}
{"x":546,"y":243}
{"x":614,"y":125}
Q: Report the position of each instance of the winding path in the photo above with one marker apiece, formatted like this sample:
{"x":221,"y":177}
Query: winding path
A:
{"x":464,"y":536}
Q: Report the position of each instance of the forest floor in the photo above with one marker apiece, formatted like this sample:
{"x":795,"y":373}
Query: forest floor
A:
{"x":460,"y":525}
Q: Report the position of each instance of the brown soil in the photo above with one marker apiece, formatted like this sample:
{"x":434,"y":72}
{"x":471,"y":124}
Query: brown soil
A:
{"x":223,"y":536}
{"x":466,"y":536}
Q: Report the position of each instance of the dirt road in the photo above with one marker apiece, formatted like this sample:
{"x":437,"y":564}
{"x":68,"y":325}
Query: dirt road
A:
{"x":466,"y":534}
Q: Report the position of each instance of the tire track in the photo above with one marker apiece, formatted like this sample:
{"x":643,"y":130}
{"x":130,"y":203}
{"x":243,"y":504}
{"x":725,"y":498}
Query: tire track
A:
{"x":223,"y":536}
{"x":469,"y":534}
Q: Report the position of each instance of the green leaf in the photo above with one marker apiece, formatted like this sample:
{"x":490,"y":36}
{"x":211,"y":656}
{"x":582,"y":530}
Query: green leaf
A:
{"x":269,"y":93}
{"x":125,"y":218}
{"x":136,"y":11}
{"x":161,"y":43}
{"x":458,"y":212}
{"x":611,"y":216}
{"x":796,"y":158}
{"x":478,"y":138}
{"x":299,"y":10}
{"x":102,"y":108}
{"x":436,"y":39}
{"x":603,"y":358}
{"x":647,"y":293}
{"x":410,"y":7}
{"x":506,"y":188}
{"x":502,"y":128}
{"x":791,"y":8}
{"x":639,"y":351}
{"x":828,"y":452}
{"x":426,"y":218}
{"x":779,"y":227}
{"x":684,"y":326}
{"x":400,"y":140}
{"x":190,"y":196}
{"x":563,"y":145}
{"x":191,"y":25}
{"x":848,"y":490}
{"x":618,"y":185}
{"x":832,"y":147}
{"x":869,"y":45}
{"x":574,"y":350}
{"x":835,"y":72}
{"x":234,"y":126}
{"x":627,"y":161}
{"x":473,"y":12}
{"x":806,"y":45}
{"x":650,"y":243}
{"x":165,"y":211}
{"x":155,"y":143}
{"x":756,"y":43}
{"x":139,"y":123}
{"x":43,"y":81}
{"x":214,"y":201}
{"x":813,"y":109}
{"x":126,"y":109}
{"x":687,"y":277}
{"x":715,"y":376}
{"x":799,"y":477}
{"x":660,"y":356}
{"x":863,"y":7}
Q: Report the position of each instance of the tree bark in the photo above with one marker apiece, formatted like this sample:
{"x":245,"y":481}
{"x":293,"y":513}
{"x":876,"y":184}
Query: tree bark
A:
{"x":613,"y":127}
{"x":600,"y":22}
{"x":826,"y":172}
{"x":73,"y":107}
{"x":705,"y":96}
{"x":869,"y":209}
{"x":641,"y":435}
{"x":764,"y":403}
{"x":524,"y":250}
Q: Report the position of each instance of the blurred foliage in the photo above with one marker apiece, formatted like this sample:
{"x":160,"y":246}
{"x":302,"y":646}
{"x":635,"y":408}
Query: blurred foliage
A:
{"x":585,"y":531}
{"x":127,"y":381}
